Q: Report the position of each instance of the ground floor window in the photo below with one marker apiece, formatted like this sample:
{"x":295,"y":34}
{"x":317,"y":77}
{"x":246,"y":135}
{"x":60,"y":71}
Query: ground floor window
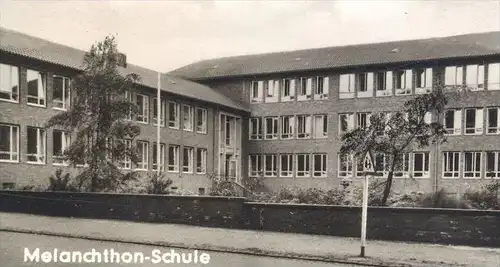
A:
{"x":319,"y":163}
{"x":451,"y":164}
{"x":472,"y":164}
{"x":60,"y":142}
{"x":173,"y":158}
{"x":345,"y":165}
{"x":9,"y":143}
{"x":493,"y":165}
{"x":270,"y":165}
{"x":286,"y":165}
{"x":36,"y":145}
{"x":143,"y":155}
{"x":255,"y":165}
{"x":421,"y":165}
{"x":201,"y":160}
{"x":303,"y":165}
{"x":162,"y":157}
{"x":187,"y":160}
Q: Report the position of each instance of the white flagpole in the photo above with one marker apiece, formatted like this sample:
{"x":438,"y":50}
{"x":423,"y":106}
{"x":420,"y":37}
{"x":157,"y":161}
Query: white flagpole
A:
{"x":158,"y":119}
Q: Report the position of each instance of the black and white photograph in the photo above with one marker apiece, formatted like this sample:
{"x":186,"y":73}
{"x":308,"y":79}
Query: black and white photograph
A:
{"x":246,"y":133}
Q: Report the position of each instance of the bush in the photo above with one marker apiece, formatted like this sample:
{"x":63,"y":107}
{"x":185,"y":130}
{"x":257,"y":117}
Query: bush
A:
{"x":58,"y":182}
{"x":441,"y":199}
{"x":485,"y":198}
{"x":157,"y":184}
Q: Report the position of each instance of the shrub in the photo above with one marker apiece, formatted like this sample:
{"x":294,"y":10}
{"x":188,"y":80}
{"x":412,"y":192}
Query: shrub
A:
{"x":441,"y":199}
{"x":58,"y":182}
{"x":485,"y":198}
{"x":157,"y":184}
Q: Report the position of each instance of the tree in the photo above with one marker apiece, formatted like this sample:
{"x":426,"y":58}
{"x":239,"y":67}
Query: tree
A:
{"x":391,"y":138}
{"x":98,"y":118}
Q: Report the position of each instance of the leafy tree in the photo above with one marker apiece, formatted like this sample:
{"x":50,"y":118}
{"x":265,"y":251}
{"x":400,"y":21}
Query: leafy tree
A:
{"x":157,"y":184}
{"x":404,"y":131}
{"x":59,"y":182}
{"x":98,"y":117}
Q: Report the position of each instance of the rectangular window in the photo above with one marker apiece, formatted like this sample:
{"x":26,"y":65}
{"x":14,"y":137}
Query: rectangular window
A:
{"x":346,"y":123}
{"x":403,"y":82}
{"x":201,"y":160}
{"x":345,"y":165}
{"x":143,"y":155}
{"x":128,"y":98}
{"x":187,"y":115}
{"x":454,"y":76}
{"x":270,"y":165}
{"x":306,"y":88}
{"x":9,"y":143}
{"x":421,"y":165}
{"x":255,"y":165}
{"x":403,"y":170}
{"x":303,"y":165}
{"x":37,"y":82}
{"x":493,"y":165}
{"x":453,"y":121}
{"x":287,"y":127}
{"x":365,"y":84}
{"x":320,"y":126}
{"x":363,"y":165}
{"x":321,"y":90}
{"x":474,"y":121}
{"x":383,"y":81}
{"x":272,"y":91}
{"x":286,"y":165}
{"x":287,"y":90}
{"x":201,"y":120}
{"x":475,"y":77}
{"x":142,"y":102}
{"x":493,"y":121}
{"x":363,"y":120}
{"x":472,"y":164}
{"x":9,"y":82}
{"x":494,"y":76}
{"x":320,"y":165}
{"x":304,"y":126}
{"x":381,"y":162}
{"x":271,"y":128}
{"x":451,"y":164}
{"x":162,"y":112}
{"x":255,"y":129}
{"x":423,"y":82}
{"x":124,"y":161}
{"x":60,"y":142}
{"x":173,"y":158}
{"x":187,"y":160}
{"x":162,"y":157}
{"x":257,"y":92}
{"x":346,"y":86}
{"x":174,"y":110}
{"x":61,"y":92}
{"x":36,"y":145}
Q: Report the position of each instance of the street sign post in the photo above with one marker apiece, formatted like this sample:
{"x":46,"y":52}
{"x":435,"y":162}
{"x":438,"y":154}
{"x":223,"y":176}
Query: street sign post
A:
{"x":369,"y":170}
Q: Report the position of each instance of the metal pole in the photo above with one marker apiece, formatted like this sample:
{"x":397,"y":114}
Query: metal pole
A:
{"x":364,"y":215}
{"x":158,"y":119}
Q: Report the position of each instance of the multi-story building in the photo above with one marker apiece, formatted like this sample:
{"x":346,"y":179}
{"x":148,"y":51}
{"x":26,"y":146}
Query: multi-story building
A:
{"x":279,"y":115}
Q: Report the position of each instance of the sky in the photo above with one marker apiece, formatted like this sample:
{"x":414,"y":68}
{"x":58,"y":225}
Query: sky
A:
{"x":165,"y":35}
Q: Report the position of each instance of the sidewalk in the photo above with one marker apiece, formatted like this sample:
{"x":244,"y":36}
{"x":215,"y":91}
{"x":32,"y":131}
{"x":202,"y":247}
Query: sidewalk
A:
{"x":314,"y":247}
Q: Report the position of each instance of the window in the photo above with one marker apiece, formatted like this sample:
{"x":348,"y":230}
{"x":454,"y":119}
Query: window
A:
{"x":365,"y":84}
{"x":270,"y":165}
{"x":345,"y":165}
{"x":162,"y":112}
{"x":173,"y":158}
{"x":288,"y":90}
{"x":493,"y":121}
{"x":475,"y":77}
{"x":272,"y":91}
{"x":271,"y":128}
{"x":173,"y":115}
{"x":306,"y":88}
{"x":201,"y":120}
{"x":423,"y":83}
{"x":453,"y":121}
{"x":162,"y":157}
{"x":403,"y":82}
{"x":201,"y":160}
{"x":493,"y":165}
{"x":381,"y":162}
{"x":346,"y":86}
{"x":320,"y":126}
{"x":255,"y":163}
{"x":472,"y":165}
{"x":9,"y":143}
{"x":36,"y":145}
{"x":143,"y":155}
{"x":346,"y":123}
{"x":9,"y":82}
{"x":255,"y":128}
{"x":60,"y":142}
{"x":36,"y":87}
{"x":125,"y":161}
{"x":303,"y":168}
{"x":474,"y":121}
{"x":286,"y":165}
{"x":402,"y":170}
{"x":287,"y":127}
{"x":454,"y":76}
{"x":319,"y":163}
{"x":128,"y":98}
{"x":142,"y":102}
{"x":321,"y":90}
{"x":494,"y":76}
{"x":304,"y":126}
{"x":384,"y":83}
{"x":257,"y":91}
{"x":187,"y":115}
{"x":61,"y":94}
{"x":187,"y":160}
{"x":451,"y":164}
{"x":363,"y":165}
{"x":421,"y":165}
{"x":363,"y":120}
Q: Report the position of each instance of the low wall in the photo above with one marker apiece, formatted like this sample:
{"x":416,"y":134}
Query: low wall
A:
{"x":445,"y":226}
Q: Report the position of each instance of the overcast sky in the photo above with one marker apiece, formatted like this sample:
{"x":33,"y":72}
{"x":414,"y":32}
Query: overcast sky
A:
{"x":164,"y":35}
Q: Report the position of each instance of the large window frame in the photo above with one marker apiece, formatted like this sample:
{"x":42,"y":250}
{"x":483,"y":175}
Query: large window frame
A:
{"x":36,"y":153}
{"x":255,"y":164}
{"x":383,"y":83}
{"x":320,"y":165}
{"x":347,"y":85}
{"x":187,"y":159}
{"x":346,"y":123}
{"x":452,"y":121}
{"x":365,"y":82}
{"x":423,"y":170}
{"x":201,"y":120}
{"x":493,"y":120}
{"x":423,"y":80}
{"x":36,"y":94}
{"x":58,"y":152}
{"x":162,"y":157}
{"x":286,"y":165}
{"x":287,"y":91}
{"x":257,"y":92}
{"x":304,"y":126}
{"x":322,"y":87}
{"x":162,"y":112}
{"x":345,"y":165}
{"x":174,"y":116}
{"x":270,"y":165}
{"x":451,"y":165}
{"x":271,"y":128}
{"x":472,"y":169}
{"x":187,"y":118}
{"x":9,"y":83}
{"x":173,"y":158}
{"x":201,"y":160}
{"x":65,"y":92}
{"x":143,"y":155}
{"x":255,"y":126}
{"x":9,"y":143}
{"x":476,"y":126}
{"x":474,"y":77}
{"x":303,"y":162}
{"x":287,"y":125}
{"x":142,"y":102}
{"x":492,"y":164}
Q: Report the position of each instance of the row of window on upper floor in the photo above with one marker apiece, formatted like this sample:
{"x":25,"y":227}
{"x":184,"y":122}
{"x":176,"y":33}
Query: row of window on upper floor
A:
{"x":376,"y":84}
{"x":289,"y":127}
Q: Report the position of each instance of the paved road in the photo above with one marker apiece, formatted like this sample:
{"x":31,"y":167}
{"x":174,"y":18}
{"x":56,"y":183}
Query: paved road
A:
{"x":12,"y":247}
